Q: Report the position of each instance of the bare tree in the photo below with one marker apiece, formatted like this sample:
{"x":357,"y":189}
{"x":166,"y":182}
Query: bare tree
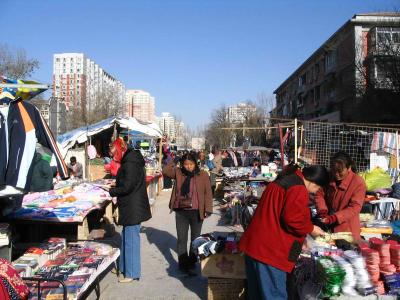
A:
{"x":214,"y":134}
{"x":106,"y":104}
{"x":14,"y":63}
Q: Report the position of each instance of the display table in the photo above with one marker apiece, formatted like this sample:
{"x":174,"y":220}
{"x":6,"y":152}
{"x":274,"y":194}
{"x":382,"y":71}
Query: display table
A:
{"x":78,"y":266}
{"x":68,"y":206}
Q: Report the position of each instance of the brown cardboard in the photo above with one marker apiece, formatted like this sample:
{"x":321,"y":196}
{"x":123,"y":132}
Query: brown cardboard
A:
{"x":225,"y":289}
{"x":224,"y":266}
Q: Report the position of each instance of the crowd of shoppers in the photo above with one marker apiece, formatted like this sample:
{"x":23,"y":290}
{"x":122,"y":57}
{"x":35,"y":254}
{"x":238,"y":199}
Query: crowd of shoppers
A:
{"x":274,"y":238}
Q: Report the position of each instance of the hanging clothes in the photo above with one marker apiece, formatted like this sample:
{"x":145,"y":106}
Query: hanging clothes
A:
{"x":385,"y":141}
{"x":21,"y":126}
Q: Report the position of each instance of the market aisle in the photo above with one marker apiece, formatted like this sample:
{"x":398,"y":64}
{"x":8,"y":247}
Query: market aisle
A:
{"x":161,"y":278}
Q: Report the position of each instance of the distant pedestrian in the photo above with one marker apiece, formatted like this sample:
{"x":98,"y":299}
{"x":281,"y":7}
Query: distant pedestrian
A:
{"x":191,"y":199}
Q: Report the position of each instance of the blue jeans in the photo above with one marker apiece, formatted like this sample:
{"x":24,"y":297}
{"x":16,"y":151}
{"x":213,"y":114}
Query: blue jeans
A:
{"x":264,"y":281}
{"x":129,"y":260}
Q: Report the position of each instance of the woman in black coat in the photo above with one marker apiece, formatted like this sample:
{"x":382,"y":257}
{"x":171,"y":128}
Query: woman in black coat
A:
{"x":134,"y":208}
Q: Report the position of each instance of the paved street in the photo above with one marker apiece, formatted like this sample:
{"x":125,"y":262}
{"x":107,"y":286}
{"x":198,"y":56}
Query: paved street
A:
{"x":161,"y":278}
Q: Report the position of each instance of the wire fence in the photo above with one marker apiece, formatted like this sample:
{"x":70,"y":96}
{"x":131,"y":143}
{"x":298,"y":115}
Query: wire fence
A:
{"x":318,"y":141}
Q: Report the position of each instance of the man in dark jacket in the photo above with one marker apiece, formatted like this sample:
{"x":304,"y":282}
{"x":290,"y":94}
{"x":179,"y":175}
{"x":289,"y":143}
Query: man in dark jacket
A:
{"x":134,"y":208}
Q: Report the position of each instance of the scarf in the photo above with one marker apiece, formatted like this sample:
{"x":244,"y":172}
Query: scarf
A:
{"x":185,"y":189}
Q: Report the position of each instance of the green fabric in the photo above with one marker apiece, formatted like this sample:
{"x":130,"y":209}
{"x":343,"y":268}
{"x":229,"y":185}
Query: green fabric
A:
{"x":377,"y":179}
{"x":46,"y":157}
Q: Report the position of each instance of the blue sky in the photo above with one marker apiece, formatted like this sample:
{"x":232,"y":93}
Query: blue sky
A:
{"x":192,"y":55}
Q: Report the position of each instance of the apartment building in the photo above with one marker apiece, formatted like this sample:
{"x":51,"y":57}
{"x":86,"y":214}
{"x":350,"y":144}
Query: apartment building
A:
{"x":140,"y":105}
{"x":239,"y":112}
{"x":80,"y":82}
{"x":331,"y":83}
{"x":167,"y":124}
{"x":44,"y":108}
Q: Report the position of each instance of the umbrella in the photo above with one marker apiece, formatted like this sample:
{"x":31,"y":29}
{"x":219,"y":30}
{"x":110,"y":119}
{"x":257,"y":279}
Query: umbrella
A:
{"x":11,"y":90}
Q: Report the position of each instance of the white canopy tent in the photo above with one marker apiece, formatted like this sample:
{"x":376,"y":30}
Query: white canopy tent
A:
{"x":82,"y":134}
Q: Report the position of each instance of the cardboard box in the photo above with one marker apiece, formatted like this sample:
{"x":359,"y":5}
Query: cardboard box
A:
{"x":226,"y":289}
{"x":224,"y":266}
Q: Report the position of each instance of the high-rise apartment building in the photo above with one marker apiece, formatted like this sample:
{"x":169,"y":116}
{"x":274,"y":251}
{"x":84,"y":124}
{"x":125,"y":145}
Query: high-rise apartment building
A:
{"x":78,"y":81}
{"x":140,"y":105}
{"x":167,"y":124}
{"x":239,"y":112}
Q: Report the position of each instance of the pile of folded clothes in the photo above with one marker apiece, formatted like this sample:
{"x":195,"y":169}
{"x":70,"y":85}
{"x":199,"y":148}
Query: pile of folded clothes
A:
{"x":209,"y":244}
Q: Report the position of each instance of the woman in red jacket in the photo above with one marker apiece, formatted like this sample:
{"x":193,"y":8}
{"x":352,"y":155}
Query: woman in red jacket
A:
{"x":274,"y":238}
{"x":339,"y":205}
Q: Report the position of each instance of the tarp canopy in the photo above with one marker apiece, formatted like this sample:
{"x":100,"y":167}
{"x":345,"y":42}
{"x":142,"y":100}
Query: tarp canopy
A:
{"x":151,"y":129}
{"x":81,"y":135}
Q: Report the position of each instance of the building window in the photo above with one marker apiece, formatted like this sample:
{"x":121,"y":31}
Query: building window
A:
{"x":316,"y":67}
{"x":330,"y":60}
{"x":300,"y":101}
{"x":303,"y":79}
{"x":57,"y":59}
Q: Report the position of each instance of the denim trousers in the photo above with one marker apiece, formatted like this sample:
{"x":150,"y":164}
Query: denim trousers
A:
{"x":129,"y":260}
{"x":185,"y":219}
{"x":264,"y":281}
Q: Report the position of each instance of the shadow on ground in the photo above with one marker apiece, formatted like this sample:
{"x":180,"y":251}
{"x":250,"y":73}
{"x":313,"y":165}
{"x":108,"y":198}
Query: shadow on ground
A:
{"x":166,"y":244}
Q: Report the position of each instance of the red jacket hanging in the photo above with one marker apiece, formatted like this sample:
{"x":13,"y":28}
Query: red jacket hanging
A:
{"x":280,"y":223}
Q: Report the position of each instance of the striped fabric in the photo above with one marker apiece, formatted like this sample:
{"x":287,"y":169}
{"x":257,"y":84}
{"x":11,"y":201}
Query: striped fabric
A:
{"x":384,"y":141}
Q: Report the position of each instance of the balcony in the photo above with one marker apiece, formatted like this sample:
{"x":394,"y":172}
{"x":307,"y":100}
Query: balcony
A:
{"x":384,"y":41}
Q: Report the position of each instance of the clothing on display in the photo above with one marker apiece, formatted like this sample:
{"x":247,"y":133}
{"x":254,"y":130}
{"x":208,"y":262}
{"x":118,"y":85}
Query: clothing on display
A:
{"x":64,"y":205}
{"x":21,"y":126}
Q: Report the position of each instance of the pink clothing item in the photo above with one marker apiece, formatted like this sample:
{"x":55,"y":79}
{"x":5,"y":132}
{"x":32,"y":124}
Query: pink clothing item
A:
{"x":92,"y":152}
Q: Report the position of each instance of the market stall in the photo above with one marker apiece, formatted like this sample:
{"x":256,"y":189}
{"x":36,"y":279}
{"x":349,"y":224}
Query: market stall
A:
{"x":75,"y":266}
{"x":68,"y":206}
{"x":241,"y":188}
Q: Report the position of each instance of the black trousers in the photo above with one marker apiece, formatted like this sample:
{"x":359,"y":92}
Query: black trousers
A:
{"x":185,"y":219}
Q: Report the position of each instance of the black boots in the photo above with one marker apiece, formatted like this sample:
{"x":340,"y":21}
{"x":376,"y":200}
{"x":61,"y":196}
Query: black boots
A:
{"x":183,"y":262}
{"x":192,"y":260}
{"x":187,"y":262}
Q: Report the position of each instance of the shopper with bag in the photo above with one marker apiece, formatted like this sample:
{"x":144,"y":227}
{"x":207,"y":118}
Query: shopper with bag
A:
{"x":191,"y":199}
{"x":274,"y":238}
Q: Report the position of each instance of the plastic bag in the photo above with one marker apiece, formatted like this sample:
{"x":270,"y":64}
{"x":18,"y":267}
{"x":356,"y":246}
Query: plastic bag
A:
{"x":377,"y":179}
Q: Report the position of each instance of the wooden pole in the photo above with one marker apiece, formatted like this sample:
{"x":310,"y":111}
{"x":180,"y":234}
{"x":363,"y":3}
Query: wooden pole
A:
{"x":160,"y":144}
{"x":295,"y":141}
{"x":281,"y":144}
{"x":397,"y":151}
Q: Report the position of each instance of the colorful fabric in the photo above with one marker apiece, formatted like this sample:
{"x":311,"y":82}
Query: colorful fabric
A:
{"x":12,"y":281}
{"x":384,"y":141}
{"x":8,"y":94}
